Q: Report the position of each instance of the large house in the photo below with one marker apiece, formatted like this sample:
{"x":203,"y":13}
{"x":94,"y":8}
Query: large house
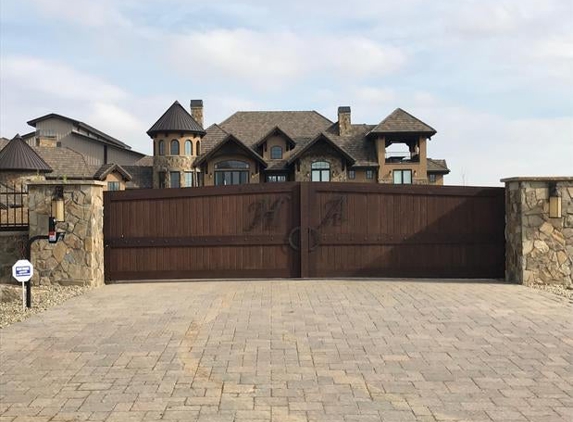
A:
{"x":279,"y":146}
{"x":247,"y":147}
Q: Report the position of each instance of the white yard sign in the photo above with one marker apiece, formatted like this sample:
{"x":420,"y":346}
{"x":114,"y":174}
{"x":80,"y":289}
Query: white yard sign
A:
{"x":23,"y":270}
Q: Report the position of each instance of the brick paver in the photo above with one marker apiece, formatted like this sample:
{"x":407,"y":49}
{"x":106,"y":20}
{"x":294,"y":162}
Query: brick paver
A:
{"x":293,"y":351}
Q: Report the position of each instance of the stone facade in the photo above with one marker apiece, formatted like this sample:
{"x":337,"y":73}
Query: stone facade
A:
{"x":12,"y":248}
{"x":321,"y":152}
{"x":79,"y":258}
{"x":172,"y":163}
{"x":539,"y":249}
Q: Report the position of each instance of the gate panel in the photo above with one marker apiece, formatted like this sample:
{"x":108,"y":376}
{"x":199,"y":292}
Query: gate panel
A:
{"x":235,"y":231}
{"x":406,"y":231}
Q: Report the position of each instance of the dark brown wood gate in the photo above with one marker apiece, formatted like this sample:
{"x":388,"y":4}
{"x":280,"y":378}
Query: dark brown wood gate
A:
{"x":305,"y":230}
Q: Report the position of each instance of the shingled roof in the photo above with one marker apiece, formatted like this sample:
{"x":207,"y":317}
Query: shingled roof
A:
{"x":437,"y":166}
{"x":251,"y":126}
{"x":176,"y":119}
{"x":17,"y":155}
{"x":400,"y":121}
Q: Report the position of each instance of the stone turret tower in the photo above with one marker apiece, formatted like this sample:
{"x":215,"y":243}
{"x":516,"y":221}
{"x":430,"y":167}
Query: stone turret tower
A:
{"x":177,"y":137}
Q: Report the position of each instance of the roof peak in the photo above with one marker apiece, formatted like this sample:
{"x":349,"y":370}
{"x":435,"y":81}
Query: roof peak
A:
{"x":402,"y":121}
{"x":17,"y":155}
{"x":176,"y":119}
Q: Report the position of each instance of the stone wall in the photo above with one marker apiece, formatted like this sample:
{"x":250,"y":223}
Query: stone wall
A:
{"x":79,"y":258}
{"x":320,"y":152}
{"x":169,"y":163}
{"x":12,"y":245}
{"x":539,"y":249}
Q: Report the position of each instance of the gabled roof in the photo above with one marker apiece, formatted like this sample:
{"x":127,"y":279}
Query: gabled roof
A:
{"x":106,"y":169}
{"x":17,"y":155}
{"x":400,"y":121}
{"x":251,"y":126}
{"x":325,"y":138}
{"x":274,"y":132}
{"x":356,"y":144}
{"x":437,"y":166}
{"x":82,"y":125}
{"x":236,"y":141}
{"x":176,"y":119}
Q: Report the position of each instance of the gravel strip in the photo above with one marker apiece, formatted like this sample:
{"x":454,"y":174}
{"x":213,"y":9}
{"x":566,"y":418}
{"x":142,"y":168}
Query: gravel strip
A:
{"x":43,"y":297}
{"x":566,"y":292}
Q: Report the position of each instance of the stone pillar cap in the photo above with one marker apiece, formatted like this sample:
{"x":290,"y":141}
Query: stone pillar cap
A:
{"x":538,"y":179}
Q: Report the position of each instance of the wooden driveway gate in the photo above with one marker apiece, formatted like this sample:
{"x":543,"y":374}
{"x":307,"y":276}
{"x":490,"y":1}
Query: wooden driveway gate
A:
{"x":304,"y":230}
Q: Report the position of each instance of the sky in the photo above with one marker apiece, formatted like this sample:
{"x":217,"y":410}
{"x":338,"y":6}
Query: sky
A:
{"x":493,"y":77}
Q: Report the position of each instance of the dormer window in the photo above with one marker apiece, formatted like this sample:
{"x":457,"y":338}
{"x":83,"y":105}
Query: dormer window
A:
{"x":276,"y":153}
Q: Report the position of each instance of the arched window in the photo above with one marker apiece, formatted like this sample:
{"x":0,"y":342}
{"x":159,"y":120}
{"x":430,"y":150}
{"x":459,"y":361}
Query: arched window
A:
{"x":276,"y":153}
{"x":198,"y":148}
{"x":320,"y":171}
{"x":188,"y":147}
{"x":174,"y":147}
{"x":231,"y":172}
{"x":161,"y":147}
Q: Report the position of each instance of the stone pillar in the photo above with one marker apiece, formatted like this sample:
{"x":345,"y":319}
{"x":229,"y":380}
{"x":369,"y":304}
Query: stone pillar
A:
{"x":539,"y":249}
{"x":78,"y":259}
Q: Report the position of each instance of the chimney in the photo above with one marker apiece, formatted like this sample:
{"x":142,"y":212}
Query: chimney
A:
{"x":197,"y":111}
{"x":344,"y":120}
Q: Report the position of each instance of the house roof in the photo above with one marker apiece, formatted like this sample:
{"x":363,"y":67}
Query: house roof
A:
{"x":324,"y":137}
{"x":356,"y":144}
{"x":85,"y":126}
{"x":141,"y":177}
{"x":252,"y":126}
{"x":17,"y":155}
{"x":176,"y":119}
{"x":274,"y":132}
{"x":231,"y":138}
{"x":400,"y":121}
{"x":106,"y":169}
{"x":66,"y":163}
{"x":437,"y":166}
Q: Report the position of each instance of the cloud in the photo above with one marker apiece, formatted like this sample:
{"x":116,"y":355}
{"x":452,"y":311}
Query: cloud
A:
{"x":276,"y":60}
{"x":53,"y":78}
{"x":83,"y":12}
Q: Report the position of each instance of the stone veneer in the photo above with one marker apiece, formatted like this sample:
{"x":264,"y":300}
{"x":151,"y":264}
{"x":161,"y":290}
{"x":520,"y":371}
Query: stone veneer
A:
{"x":320,"y":153}
{"x":539,"y":249}
{"x":12,"y":245}
{"x":169,"y":163}
{"x":79,"y":258}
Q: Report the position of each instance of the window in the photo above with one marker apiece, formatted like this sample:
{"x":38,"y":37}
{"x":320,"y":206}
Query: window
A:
{"x":276,"y":153}
{"x":351,"y":174}
{"x":162,"y":179}
{"x":320,"y":171}
{"x":188,"y":179}
{"x":174,"y":179}
{"x":231,"y":172}
{"x":161,"y":147}
{"x":198,"y":148}
{"x":432,"y":178}
{"x":174,"y":147}
{"x":276,"y":178}
{"x":188,"y":147}
{"x":403,"y":177}
{"x":113,"y":186}
{"x":370,"y":174}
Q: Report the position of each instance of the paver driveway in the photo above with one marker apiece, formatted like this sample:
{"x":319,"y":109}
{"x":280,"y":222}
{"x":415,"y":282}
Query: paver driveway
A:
{"x":293,"y":351}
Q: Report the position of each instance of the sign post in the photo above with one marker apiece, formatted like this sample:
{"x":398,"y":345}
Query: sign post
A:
{"x":23,"y":270}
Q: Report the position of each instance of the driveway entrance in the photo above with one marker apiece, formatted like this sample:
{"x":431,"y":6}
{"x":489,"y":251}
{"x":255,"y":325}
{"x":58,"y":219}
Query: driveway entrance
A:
{"x":293,"y":351}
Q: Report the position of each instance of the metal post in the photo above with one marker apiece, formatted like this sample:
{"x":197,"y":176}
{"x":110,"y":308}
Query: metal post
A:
{"x":29,"y":258}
